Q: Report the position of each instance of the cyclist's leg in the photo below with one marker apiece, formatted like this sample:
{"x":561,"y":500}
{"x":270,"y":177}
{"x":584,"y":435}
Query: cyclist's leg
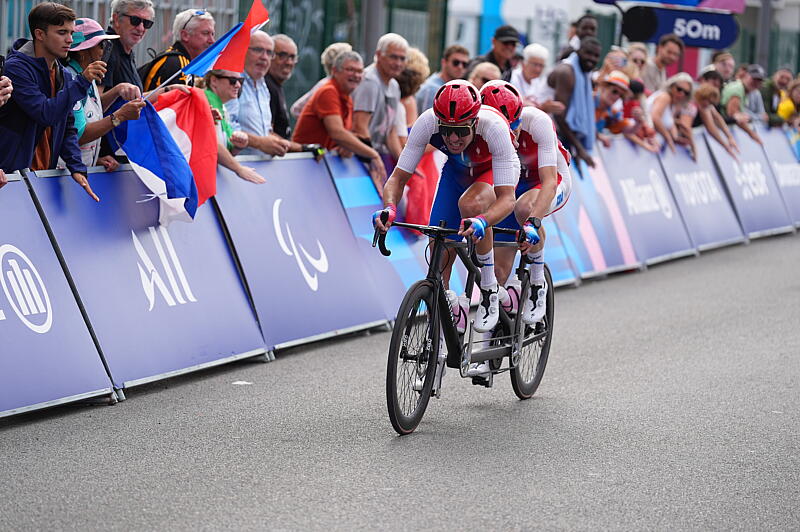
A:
{"x":445,"y":207}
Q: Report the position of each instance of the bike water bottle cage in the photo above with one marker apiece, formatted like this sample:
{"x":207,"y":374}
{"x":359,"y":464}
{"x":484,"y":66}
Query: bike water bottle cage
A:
{"x":461,"y":130}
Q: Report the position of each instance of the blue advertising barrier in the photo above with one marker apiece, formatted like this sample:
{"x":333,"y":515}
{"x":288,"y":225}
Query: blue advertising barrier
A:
{"x":47,"y":355}
{"x":161,"y":301}
{"x":701,"y":197}
{"x":653,"y":220}
{"x":300,"y":258}
{"x":556,"y":256}
{"x":751,"y":187}
{"x":785,"y":169}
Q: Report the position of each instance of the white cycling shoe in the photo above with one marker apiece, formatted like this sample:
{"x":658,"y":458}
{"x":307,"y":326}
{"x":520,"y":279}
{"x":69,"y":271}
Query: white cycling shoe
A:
{"x":536,"y":304}
{"x":481,"y":373}
{"x":488,"y":311}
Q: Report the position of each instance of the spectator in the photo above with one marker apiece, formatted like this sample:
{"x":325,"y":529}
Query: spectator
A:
{"x":327,"y":58}
{"x":453,"y":66}
{"x":484,"y":72}
{"x":572,"y":83}
{"x":328,"y":116}
{"x":706,"y":98}
{"x":6,"y":88}
{"x":89,"y":43}
{"x":668,"y":52}
{"x":637,"y":56}
{"x":741,"y":70}
{"x":586,"y":26}
{"x":643,"y":133}
{"x":376,"y":99}
{"x":531,"y":82}
{"x":668,"y":105}
{"x":607,"y":116}
{"x":615,"y":60}
{"x":252,"y":109}
{"x":280,"y":70}
{"x":504,"y":45}
{"x":735,"y":99}
{"x":790,"y":107}
{"x":725,"y":64}
{"x":130,"y":19}
{"x":410,"y":80}
{"x":37,"y":125}
{"x":773,"y":92}
{"x":711,"y":76}
{"x":193,"y":30}
{"x":223,"y":86}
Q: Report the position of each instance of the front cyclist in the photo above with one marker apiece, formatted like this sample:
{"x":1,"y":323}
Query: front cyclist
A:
{"x":544,"y":187}
{"x":477,"y":182}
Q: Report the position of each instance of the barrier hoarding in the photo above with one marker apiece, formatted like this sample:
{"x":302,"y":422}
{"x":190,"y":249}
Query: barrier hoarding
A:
{"x":162,"y":301}
{"x":47,"y":355}
{"x":785,"y":169}
{"x":701,"y":197}
{"x":751,"y":187}
{"x":302,"y":263}
{"x":651,"y":216}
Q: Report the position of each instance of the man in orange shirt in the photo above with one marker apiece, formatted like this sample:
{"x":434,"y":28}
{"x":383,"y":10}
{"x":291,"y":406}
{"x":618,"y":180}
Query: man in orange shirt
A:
{"x":328,"y":116}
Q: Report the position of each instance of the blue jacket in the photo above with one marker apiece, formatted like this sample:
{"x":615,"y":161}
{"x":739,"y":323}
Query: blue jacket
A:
{"x":30,"y":110}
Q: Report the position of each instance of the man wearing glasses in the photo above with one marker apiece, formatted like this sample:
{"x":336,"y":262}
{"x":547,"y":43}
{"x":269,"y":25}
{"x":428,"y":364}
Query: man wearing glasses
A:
{"x":130,"y":19}
{"x":454,"y":66}
{"x":193,"y":30}
{"x":504,"y":44}
{"x":280,"y":70}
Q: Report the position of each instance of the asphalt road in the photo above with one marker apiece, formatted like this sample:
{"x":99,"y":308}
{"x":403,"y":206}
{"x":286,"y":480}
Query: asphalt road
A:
{"x":670,"y":402}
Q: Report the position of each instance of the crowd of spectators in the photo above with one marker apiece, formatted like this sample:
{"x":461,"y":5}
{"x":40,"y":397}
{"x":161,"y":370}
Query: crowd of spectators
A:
{"x":59,"y":86}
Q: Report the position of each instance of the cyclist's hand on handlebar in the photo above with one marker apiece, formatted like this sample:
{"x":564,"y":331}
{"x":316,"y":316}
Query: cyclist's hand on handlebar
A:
{"x":475,"y":228}
{"x":383,"y":219}
{"x":531,"y":234}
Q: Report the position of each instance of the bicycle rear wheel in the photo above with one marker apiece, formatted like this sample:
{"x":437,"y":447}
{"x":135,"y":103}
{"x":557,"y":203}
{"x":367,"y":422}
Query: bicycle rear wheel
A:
{"x":412,"y":358}
{"x":528,"y":373}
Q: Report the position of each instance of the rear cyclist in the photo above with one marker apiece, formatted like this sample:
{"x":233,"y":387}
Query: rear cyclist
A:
{"x":477,"y":182}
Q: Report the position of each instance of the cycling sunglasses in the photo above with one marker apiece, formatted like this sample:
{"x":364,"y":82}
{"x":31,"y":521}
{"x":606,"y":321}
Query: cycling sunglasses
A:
{"x":135,"y":21}
{"x":462,"y":131}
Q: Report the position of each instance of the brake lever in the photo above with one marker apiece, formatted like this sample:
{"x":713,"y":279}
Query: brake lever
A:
{"x":473,"y":255}
{"x":523,"y":256}
{"x":380,"y":238}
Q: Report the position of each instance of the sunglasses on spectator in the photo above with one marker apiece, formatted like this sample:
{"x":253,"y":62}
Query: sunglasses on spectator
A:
{"x":286,"y":56}
{"x":233,"y":80}
{"x":258,"y":50}
{"x":135,"y":21}
{"x":457,"y":63}
{"x":462,"y":131}
{"x":510,"y":43}
{"x":681,"y":90}
{"x":198,"y":13}
{"x":639,"y":61}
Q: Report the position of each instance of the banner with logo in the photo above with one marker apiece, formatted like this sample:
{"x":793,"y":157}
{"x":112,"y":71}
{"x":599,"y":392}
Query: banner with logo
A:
{"x":555,"y":255}
{"x":651,"y":216}
{"x":161,"y":300}
{"x":699,"y":29}
{"x":302,"y":263}
{"x":751,"y":187}
{"x":701,"y":197}
{"x":46,"y":353}
{"x":785,"y":169}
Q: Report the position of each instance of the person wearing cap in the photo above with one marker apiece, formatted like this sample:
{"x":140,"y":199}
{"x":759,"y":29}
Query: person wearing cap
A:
{"x":88,"y":44}
{"x":193,"y":31}
{"x":735,"y":100}
{"x":504,"y":45}
{"x":773,"y":92}
{"x":667,"y":108}
{"x":611,"y":89}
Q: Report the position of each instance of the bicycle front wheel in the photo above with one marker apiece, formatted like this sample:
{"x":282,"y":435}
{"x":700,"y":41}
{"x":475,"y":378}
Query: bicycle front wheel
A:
{"x":528,"y":373}
{"x":412,"y":358}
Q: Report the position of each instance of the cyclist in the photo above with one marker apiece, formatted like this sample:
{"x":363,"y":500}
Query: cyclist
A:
{"x":544,"y":187}
{"x":477,"y":182}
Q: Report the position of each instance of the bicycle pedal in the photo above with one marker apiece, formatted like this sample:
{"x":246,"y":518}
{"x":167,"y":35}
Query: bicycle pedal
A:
{"x":482,"y":381}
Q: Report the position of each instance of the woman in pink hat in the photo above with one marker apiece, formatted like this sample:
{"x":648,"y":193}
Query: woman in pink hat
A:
{"x":89,"y":43}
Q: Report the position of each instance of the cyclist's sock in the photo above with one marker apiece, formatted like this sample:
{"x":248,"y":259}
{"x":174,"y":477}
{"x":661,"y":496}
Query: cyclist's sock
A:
{"x":537,"y":268}
{"x":488,"y":279}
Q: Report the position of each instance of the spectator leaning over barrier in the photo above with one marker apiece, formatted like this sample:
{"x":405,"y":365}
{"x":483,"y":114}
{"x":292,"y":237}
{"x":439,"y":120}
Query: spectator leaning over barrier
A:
{"x":376,"y":99}
{"x":37,"y":125}
{"x":89,"y":43}
{"x":327,"y":58}
{"x":483,"y":73}
{"x":193,"y":31}
{"x":607,"y":115}
{"x":453,"y":66}
{"x":789,"y":108}
{"x":223,"y":86}
{"x":668,"y":52}
{"x":529,"y":78}
{"x":643,"y":133}
{"x":667,"y":107}
{"x":585,"y":26}
{"x":6,"y":88}
{"x":637,"y":56}
{"x":280,"y":70}
{"x":735,"y":99}
{"x":725,"y":64}
{"x":615,"y":60}
{"x":328,"y":116}
{"x":504,"y":45}
{"x":773,"y":92}
{"x":706,"y":99}
{"x":130,"y":19}
{"x":572,"y":83}
{"x":252,"y":109}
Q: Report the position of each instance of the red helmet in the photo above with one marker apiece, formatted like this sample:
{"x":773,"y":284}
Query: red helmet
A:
{"x":504,"y":97}
{"x":456,"y":101}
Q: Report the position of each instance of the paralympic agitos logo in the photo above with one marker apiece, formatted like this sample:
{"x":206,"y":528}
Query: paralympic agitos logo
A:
{"x":24,"y":290}
{"x":288,"y":245}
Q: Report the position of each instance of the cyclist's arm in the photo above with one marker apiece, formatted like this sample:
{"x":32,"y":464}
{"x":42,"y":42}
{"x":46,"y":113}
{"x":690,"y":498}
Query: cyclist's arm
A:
{"x":502,"y":206}
{"x":541,"y":130}
{"x":505,"y":166}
